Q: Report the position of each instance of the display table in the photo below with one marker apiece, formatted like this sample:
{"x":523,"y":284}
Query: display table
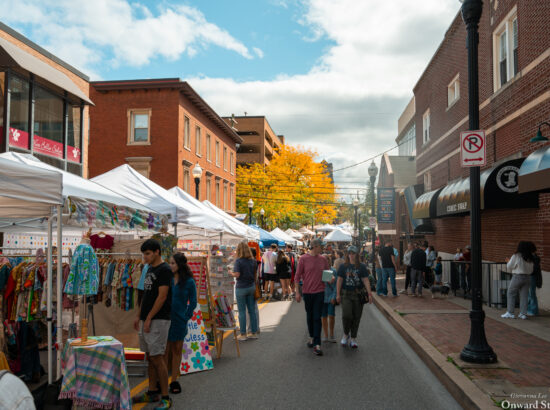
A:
{"x":96,"y":376}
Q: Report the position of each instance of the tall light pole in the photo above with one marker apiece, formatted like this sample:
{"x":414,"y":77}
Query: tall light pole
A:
{"x":373,"y":171}
{"x":197,"y":173}
{"x":356,"y":228}
{"x":477,"y":350}
{"x":262,"y":213}
{"x":250,"y":206}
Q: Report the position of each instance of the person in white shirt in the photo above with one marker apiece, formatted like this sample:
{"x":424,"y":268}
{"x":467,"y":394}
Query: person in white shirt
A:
{"x":269,"y":260}
{"x":521,"y":266}
{"x":14,"y":394}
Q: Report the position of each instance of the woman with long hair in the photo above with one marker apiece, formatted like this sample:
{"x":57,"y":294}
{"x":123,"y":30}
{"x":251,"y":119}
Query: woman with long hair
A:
{"x":520,"y":265}
{"x":245,"y":273}
{"x":352,"y":276}
{"x":284,"y":273}
{"x":184,"y":301}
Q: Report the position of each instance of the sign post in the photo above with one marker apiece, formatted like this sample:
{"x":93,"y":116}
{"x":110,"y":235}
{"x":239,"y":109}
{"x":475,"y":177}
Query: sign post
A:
{"x":372,"y":222}
{"x":473,"y":149}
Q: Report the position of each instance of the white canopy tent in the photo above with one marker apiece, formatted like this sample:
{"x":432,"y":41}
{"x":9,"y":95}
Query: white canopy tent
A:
{"x":282,"y":235}
{"x":326,"y":228}
{"x":306,"y":231}
{"x":251,"y":234}
{"x":338,"y":235}
{"x":294,"y":234}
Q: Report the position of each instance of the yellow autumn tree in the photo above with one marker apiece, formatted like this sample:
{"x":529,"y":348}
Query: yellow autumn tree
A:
{"x":293,"y":189}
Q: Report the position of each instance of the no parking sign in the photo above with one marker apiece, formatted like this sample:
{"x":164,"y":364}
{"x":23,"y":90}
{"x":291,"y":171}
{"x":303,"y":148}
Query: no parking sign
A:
{"x":473,"y":149}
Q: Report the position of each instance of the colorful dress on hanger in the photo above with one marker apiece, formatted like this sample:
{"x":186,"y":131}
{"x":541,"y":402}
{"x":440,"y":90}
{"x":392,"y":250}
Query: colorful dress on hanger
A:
{"x":84,"y":275}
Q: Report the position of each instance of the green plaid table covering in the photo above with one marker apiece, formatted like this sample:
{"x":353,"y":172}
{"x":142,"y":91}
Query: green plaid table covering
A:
{"x":96,"y":376}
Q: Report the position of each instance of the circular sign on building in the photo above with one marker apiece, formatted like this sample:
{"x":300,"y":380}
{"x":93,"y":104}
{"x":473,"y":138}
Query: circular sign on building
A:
{"x":507,"y":178}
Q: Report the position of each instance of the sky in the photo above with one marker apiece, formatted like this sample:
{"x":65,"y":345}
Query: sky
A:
{"x":330,"y":75}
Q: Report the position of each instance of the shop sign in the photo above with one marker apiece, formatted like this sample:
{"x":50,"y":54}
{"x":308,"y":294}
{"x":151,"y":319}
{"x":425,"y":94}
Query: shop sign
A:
{"x":73,"y":154}
{"x":386,"y":205}
{"x":459,"y":207}
{"x":17,"y":138}
{"x":47,"y":147}
{"x":507,"y":179}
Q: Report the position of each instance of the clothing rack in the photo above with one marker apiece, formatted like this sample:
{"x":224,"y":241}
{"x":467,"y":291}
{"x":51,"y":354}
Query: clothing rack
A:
{"x":117,"y":254}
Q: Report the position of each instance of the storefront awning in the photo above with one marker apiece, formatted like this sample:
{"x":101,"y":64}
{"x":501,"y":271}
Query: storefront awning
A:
{"x":12,"y":56}
{"x":418,"y":225}
{"x":424,"y":206}
{"x":498,"y":186}
{"x":534,"y":174}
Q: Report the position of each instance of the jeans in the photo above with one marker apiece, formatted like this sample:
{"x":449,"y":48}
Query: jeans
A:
{"x":352,"y":309}
{"x":519,"y":284}
{"x":379,"y":277}
{"x":245,"y":301}
{"x":314,"y":308}
{"x":417,"y":279}
{"x":388,"y":273}
{"x":533,"y":303}
{"x":407,"y":277}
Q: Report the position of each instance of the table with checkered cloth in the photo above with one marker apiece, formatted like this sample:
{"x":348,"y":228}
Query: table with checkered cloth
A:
{"x":95,"y":376}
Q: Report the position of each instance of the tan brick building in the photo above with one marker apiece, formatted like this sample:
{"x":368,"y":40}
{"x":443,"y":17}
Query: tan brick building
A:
{"x":162,"y":128}
{"x":43,"y":104}
{"x":260,"y":142}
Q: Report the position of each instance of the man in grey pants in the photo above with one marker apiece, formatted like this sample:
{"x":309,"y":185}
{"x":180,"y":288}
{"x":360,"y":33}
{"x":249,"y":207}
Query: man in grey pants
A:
{"x":418,"y":266}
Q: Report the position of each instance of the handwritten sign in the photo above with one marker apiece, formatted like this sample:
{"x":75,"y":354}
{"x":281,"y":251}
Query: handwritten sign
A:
{"x":196,"y":355}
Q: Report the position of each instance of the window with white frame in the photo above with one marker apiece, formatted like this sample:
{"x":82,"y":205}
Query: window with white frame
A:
{"x":225,"y":197}
{"x":231,"y":196}
{"x":217,"y":153}
{"x":139,"y":126}
{"x":208,"y":153}
{"x":208,"y":185}
{"x":453,"y":91}
{"x":225,"y":158}
{"x":186,"y":180}
{"x":198,"y":140}
{"x":231,"y":163}
{"x":186,"y":131}
{"x":426,"y":127}
{"x":217,"y":193}
{"x":427,"y":182}
{"x":505,"y":50}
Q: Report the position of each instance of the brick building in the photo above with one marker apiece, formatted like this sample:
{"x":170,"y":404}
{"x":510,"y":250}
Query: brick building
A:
{"x":514,"y":90}
{"x":259,"y":140}
{"x":43,"y":104}
{"x":162,"y":128}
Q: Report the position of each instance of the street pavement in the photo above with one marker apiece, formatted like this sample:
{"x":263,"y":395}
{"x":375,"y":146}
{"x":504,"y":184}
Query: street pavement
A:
{"x":278,"y":371}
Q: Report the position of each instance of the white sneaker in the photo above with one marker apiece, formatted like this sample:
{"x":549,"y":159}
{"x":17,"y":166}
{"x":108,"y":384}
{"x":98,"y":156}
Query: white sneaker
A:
{"x":507,"y":315}
{"x":522,"y":316}
{"x":353,"y":344}
{"x":325,"y":339}
{"x":345,"y":340}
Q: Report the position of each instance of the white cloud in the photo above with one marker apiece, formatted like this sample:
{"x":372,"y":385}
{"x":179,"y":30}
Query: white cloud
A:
{"x":258,"y":52}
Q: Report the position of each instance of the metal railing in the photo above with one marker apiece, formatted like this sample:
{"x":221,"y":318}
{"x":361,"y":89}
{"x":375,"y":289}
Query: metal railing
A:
{"x":494,"y":280}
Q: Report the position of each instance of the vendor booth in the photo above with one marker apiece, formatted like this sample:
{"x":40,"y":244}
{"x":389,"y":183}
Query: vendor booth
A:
{"x":338,"y":235}
{"x":283,"y":236}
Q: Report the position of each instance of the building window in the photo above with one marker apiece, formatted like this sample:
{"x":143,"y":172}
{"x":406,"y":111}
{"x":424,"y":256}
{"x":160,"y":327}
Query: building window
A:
{"x":141,"y":165}
{"x":198,"y":141}
{"x":231,"y":163}
{"x":48,"y":127}
{"x":407,"y":146}
{"x":208,"y":185}
{"x":139,"y":126}
{"x":217,"y":194}
{"x":453,"y":91}
{"x":19,"y":113}
{"x":225,"y":158}
{"x":225,"y":197}
{"x":231,"y":199}
{"x":208,"y":149}
{"x":186,"y":179}
{"x":505,"y":50}
{"x":186,"y":131}
{"x":217,"y":153}
{"x":426,"y":127}
{"x":427,"y":182}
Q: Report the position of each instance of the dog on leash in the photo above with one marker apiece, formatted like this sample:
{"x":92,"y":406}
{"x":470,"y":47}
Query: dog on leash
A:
{"x":443,"y":290}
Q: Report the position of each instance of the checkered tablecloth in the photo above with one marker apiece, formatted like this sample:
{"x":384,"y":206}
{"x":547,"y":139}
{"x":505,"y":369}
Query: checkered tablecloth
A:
{"x":95,"y":376}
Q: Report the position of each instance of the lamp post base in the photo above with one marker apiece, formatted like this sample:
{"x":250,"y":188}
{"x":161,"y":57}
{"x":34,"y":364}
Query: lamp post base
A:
{"x":478,"y":350}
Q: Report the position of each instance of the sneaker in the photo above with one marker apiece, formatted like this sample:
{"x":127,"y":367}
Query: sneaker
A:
{"x":310,"y":343}
{"x":332,"y":339}
{"x":413,"y":295}
{"x":164,"y":403}
{"x":404,"y":292}
{"x":317,"y":350}
{"x":522,"y":316}
{"x":252,"y":335}
{"x":324,"y":340}
{"x":530,"y":314}
{"x":507,"y":315}
{"x":146,"y":397}
{"x":345,"y":340}
{"x":353,"y":344}
{"x":242,"y":338}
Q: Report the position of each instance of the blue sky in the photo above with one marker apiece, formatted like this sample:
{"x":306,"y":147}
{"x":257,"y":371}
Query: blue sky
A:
{"x":331,"y":75}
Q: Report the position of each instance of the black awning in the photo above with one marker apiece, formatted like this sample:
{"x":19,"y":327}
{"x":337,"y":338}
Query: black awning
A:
{"x":419,"y":225}
{"x":424,"y":206}
{"x":499,"y":189}
{"x":534,"y":174}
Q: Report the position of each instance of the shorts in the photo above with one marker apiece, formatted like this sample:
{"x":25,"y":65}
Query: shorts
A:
{"x":154,"y":342}
{"x":271,"y":277}
{"x":286,"y":275}
{"x":438,"y":277}
{"x":328,"y":310}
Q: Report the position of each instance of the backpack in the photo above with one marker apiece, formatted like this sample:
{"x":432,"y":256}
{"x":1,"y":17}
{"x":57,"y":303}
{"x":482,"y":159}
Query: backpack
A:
{"x":537,"y":272}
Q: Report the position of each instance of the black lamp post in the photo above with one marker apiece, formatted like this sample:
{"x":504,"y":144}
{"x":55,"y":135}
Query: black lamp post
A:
{"x":477,"y":350}
{"x":197,"y":173}
{"x":250,"y":206}
{"x":262,"y":214}
{"x":373,"y":171}
{"x":356,"y":227}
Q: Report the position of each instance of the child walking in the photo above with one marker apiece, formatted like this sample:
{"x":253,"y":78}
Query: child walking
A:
{"x":329,"y":309}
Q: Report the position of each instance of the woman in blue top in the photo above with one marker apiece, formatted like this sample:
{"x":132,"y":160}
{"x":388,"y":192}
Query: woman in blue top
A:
{"x":184,"y":301}
{"x":245,"y":273}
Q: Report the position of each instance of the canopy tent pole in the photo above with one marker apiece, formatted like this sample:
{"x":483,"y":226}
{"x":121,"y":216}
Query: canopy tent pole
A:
{"x":59,"y":322}
{"x":49,"y":300}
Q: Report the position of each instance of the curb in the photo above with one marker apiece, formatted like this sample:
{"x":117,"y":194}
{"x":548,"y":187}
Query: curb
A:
{"x":464,"y":391}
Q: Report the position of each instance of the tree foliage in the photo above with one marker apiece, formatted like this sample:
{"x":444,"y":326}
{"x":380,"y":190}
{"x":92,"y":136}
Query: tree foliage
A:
{"x":293,"y":189}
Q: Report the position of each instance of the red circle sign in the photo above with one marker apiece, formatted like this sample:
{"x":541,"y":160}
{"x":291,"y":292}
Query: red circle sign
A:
{"x":473,"y":143}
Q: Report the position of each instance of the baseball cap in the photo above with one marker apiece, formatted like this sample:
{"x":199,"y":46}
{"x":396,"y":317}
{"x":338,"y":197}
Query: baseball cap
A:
{"x":352,"y":248}
{"x":317,"y":242}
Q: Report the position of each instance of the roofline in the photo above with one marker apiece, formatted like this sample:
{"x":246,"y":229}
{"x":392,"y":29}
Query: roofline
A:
{"x":258,"y":116}
{"x":43,"y":51}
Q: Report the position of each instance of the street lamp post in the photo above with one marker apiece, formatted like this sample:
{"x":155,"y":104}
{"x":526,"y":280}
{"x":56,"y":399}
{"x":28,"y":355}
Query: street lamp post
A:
{"x":355,"y":206}
{"x":250,"y":206}
{"x":262,"y":214}
{"x":197,"y":173}
{"x":373,"y":171}
{"x":477,"y":350}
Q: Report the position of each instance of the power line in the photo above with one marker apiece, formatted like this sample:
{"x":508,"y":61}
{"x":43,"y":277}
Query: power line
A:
{"x":295,"y":201}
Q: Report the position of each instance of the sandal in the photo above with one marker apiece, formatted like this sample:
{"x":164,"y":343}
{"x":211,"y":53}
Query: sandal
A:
{"x":175,"y":387}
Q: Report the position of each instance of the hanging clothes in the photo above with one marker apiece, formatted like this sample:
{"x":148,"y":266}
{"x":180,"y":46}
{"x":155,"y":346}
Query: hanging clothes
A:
{"x":84,"y":275}
{"x":104,"y":242}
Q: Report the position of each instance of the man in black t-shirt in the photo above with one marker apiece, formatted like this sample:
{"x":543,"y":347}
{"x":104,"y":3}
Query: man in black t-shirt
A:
{"x":153,"y":323}
{"x":418,"y":266}
{"x":388,"y":265}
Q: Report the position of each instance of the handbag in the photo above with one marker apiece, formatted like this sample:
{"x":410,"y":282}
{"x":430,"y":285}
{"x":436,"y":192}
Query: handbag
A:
{"x":362,"y":292}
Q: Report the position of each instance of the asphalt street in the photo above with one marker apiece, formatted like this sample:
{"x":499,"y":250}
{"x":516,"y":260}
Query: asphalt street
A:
{"x":278,"y":371}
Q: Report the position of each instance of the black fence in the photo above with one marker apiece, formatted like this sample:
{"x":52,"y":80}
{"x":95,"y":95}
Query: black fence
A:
{"x":494,"y":280}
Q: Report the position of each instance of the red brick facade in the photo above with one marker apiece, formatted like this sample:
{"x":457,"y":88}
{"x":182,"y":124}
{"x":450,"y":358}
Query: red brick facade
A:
{"x":170,"y":161}
{"x":510,"y":116}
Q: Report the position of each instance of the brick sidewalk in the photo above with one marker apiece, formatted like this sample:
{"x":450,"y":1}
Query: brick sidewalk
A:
{"x":524,"y":358}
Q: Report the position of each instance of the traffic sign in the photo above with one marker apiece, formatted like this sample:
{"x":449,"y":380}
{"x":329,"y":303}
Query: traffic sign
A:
{"x":372,"y":222}
{"x":473,"y":149}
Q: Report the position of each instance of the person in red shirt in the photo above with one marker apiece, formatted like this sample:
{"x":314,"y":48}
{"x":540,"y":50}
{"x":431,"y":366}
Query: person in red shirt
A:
{"x":310,"y":273}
